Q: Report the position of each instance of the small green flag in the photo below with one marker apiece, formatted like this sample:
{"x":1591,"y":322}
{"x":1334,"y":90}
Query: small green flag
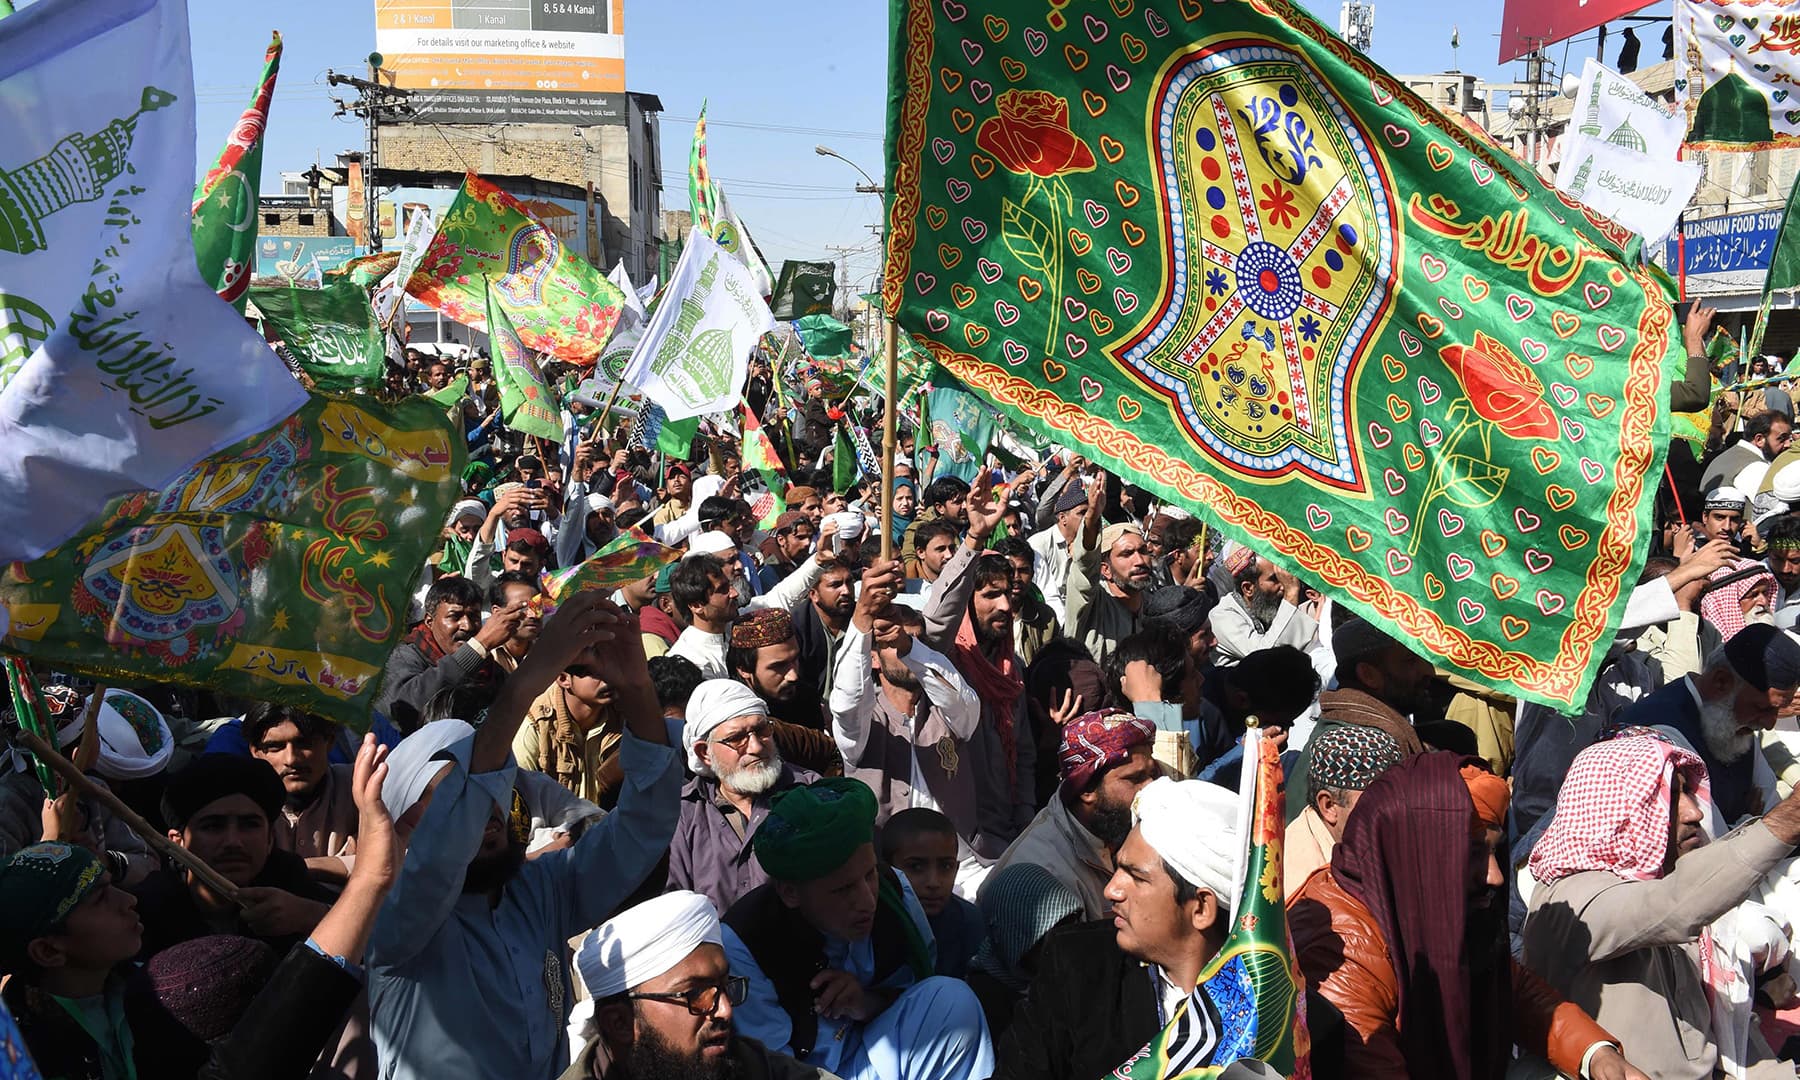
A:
{"x":225,"y":208}
{"x":452,"y":394}
{"x":677,"y":437}
{"x":843,"y":462}
{"x":824,"y":337}
{"x":525,"y":400}
{"x":1784,"y":269}
{"x":330,"y":331}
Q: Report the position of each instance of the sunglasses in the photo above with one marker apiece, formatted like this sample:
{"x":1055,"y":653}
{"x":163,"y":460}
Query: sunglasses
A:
{"x":703,"y":1000}
{"x":764,"y":732}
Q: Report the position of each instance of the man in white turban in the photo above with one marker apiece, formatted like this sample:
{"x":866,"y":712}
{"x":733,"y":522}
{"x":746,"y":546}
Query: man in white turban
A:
{"x":1093,"y":1004}
{"x":730,"y":744}
{"x":664,"y":998}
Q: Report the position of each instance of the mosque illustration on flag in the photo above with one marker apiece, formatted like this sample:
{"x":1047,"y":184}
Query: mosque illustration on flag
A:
{"x":76,"y":170}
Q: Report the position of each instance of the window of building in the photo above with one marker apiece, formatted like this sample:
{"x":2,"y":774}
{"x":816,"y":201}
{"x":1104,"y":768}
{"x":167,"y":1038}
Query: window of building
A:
{"x":271,"y":219}
{"x":306,"y":219}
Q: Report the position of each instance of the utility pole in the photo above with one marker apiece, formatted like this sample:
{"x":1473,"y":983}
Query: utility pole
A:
{"x":843,"y":274}
{"x":376,"y":101}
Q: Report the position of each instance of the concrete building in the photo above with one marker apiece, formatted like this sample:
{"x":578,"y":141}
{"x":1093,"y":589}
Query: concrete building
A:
{"x":621,"y":162}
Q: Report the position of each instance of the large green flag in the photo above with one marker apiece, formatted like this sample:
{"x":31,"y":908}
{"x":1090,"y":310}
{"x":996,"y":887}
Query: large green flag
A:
{"x":825,"y":338}
{"x":225,"y":207}
{"x":1252,"y":984}
{"x":844,"y":470}
{"x":330,"y":331}
{"x":279,"y":569}
{"x":1216,"y":248}
{"x":557,"y":302}
{"x":526,"y":403}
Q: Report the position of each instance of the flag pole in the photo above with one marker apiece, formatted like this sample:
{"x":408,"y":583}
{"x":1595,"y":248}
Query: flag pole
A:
{"x":600,"y":426}
{"x":889,"y":437}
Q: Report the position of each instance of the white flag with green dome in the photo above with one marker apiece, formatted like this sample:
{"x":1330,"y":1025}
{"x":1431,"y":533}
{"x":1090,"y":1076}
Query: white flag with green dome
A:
{"x":695,"y":352}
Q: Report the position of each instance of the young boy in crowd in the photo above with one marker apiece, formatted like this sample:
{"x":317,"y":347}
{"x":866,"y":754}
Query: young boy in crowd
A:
{"x":921,"y":844}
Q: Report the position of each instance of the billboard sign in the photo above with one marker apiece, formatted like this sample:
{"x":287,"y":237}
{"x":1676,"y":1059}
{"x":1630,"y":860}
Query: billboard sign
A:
{"x":507,"y":61}
{"x":1533,"y":24}
{"x":291,"y":257}
{"x":1726,"y":254}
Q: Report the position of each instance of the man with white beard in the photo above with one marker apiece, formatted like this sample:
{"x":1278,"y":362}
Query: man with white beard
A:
{"x":737,"y":767}
{"x":1744,"y":686}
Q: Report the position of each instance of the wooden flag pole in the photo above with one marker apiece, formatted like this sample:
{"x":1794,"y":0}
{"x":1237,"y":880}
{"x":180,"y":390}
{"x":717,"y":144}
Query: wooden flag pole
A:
{"x":79,"y":781}
{"x":606,"y":412}
{"x":889,"y":438}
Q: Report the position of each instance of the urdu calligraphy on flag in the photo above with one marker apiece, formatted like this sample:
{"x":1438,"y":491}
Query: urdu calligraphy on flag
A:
{"x":119,"y":365}
{"x":1214,"y":247}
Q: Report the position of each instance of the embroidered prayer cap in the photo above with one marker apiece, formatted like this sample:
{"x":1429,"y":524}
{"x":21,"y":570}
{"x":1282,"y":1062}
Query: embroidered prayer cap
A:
{"x":791,"y":518}
{"x":1358,"y":640}
{"x":416,"y":761}
{"x":1020,"y":903}
{"x":1349,"y":756}
{"x":1073,"y":497}
{"x":1118,"y":531}
{"x":1764,"y":657}
{"x":39,"y":886}
{"x":506,"y":488}
{"x":135,"y":740}
{"x":527,"y":536}
{"x":205,"y":984}
{"x":1193,"y":825}
{"x":645,"y":941}
{"x":1613,"y":812}
{"x":1725,"y":497}
{"x":712,"y":703}
{"x":1096,"y":741}
{"x":1786,"y":484}
{"x":799,"y":493}
{"x":814,"y":828}
{"x":663,"y":577}
{"x":1178,"y":607}
{"x":211,"y":777}
{"x":1490,"y":795}
{"x":1236,"y":557}
{"x":477,"y":473}
{"x":766,"y":626}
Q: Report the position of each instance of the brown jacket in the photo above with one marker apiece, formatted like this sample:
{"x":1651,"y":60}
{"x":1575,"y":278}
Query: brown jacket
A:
{"x":1348,"y":974}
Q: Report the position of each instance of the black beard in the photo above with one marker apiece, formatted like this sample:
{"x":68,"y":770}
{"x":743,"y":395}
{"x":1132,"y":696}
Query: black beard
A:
{"x":652,"y":1058}
{"x":1111,"y":824}
{"x":490,"y":872}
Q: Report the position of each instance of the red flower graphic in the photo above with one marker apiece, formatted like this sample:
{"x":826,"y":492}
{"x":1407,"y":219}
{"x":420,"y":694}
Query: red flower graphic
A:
{"x":1031,"y":135}
{"x":1502,"y":389}
{"x":1278,"y":203}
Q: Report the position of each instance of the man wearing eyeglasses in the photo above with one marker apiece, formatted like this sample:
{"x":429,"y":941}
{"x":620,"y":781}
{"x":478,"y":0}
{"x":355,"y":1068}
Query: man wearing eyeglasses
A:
{"x":732,"y":751}
{"x":665,"y":998}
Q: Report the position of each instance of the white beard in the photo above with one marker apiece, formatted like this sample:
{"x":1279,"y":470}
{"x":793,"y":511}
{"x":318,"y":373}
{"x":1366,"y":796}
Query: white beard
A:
{"x":754,"y":779}
{"x":1719,"y":725}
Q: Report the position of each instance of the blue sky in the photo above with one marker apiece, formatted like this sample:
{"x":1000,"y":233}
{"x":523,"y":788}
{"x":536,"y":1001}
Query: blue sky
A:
{"x":780,"y":77}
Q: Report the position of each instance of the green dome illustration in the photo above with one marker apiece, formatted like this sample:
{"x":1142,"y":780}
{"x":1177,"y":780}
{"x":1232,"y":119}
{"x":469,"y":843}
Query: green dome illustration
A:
{"x":1733,"y":111}
{"x":1626,"y":138}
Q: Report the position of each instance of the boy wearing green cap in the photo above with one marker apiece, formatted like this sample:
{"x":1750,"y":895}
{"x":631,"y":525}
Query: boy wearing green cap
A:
{"x":65,"y":931}
{"x":839,"y":954}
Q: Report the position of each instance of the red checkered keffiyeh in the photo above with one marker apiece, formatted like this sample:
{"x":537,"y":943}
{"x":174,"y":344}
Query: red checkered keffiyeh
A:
{"x":1613,"y":811}
{"x":1723,"y":606}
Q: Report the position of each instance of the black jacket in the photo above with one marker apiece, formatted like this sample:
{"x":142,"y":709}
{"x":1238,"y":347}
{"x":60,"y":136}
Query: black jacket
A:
{"x":171,"y":916}
{"x":1089,"y":1008}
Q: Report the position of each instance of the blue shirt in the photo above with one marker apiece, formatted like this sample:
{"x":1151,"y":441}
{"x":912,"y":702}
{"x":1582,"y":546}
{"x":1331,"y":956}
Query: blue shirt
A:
{"x":460,"y":987}
{"x":762,"y":1018}
{"x":959,"y":930}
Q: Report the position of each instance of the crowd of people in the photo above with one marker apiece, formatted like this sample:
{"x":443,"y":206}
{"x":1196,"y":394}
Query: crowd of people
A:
{"x":788,"y":808}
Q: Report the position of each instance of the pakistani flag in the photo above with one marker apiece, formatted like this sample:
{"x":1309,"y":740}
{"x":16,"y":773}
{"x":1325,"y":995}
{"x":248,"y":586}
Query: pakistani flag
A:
{"x":695,"y":352}
{"x":119,"y":367}
{"x":225,"y":207}
{"x":330,"y":331}
{"x":804,"y":288}
{"x":526,"y":404}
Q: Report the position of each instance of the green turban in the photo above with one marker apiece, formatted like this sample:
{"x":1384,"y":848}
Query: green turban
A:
{"x":813,"y":829}
{"x":39,"y":886}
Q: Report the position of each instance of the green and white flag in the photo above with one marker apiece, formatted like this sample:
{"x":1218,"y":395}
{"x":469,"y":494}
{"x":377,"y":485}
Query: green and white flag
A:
{"x":225,"y":207}
{"x":388,"y":294}
{"x":1621,"y":155}
{"x":1736,"y":62}
{"x":695,"y":352}
{"x":330,"y":331}
{"x":119,"y":367}
{"x":526,"y":403}
{"x":805,"y":288}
